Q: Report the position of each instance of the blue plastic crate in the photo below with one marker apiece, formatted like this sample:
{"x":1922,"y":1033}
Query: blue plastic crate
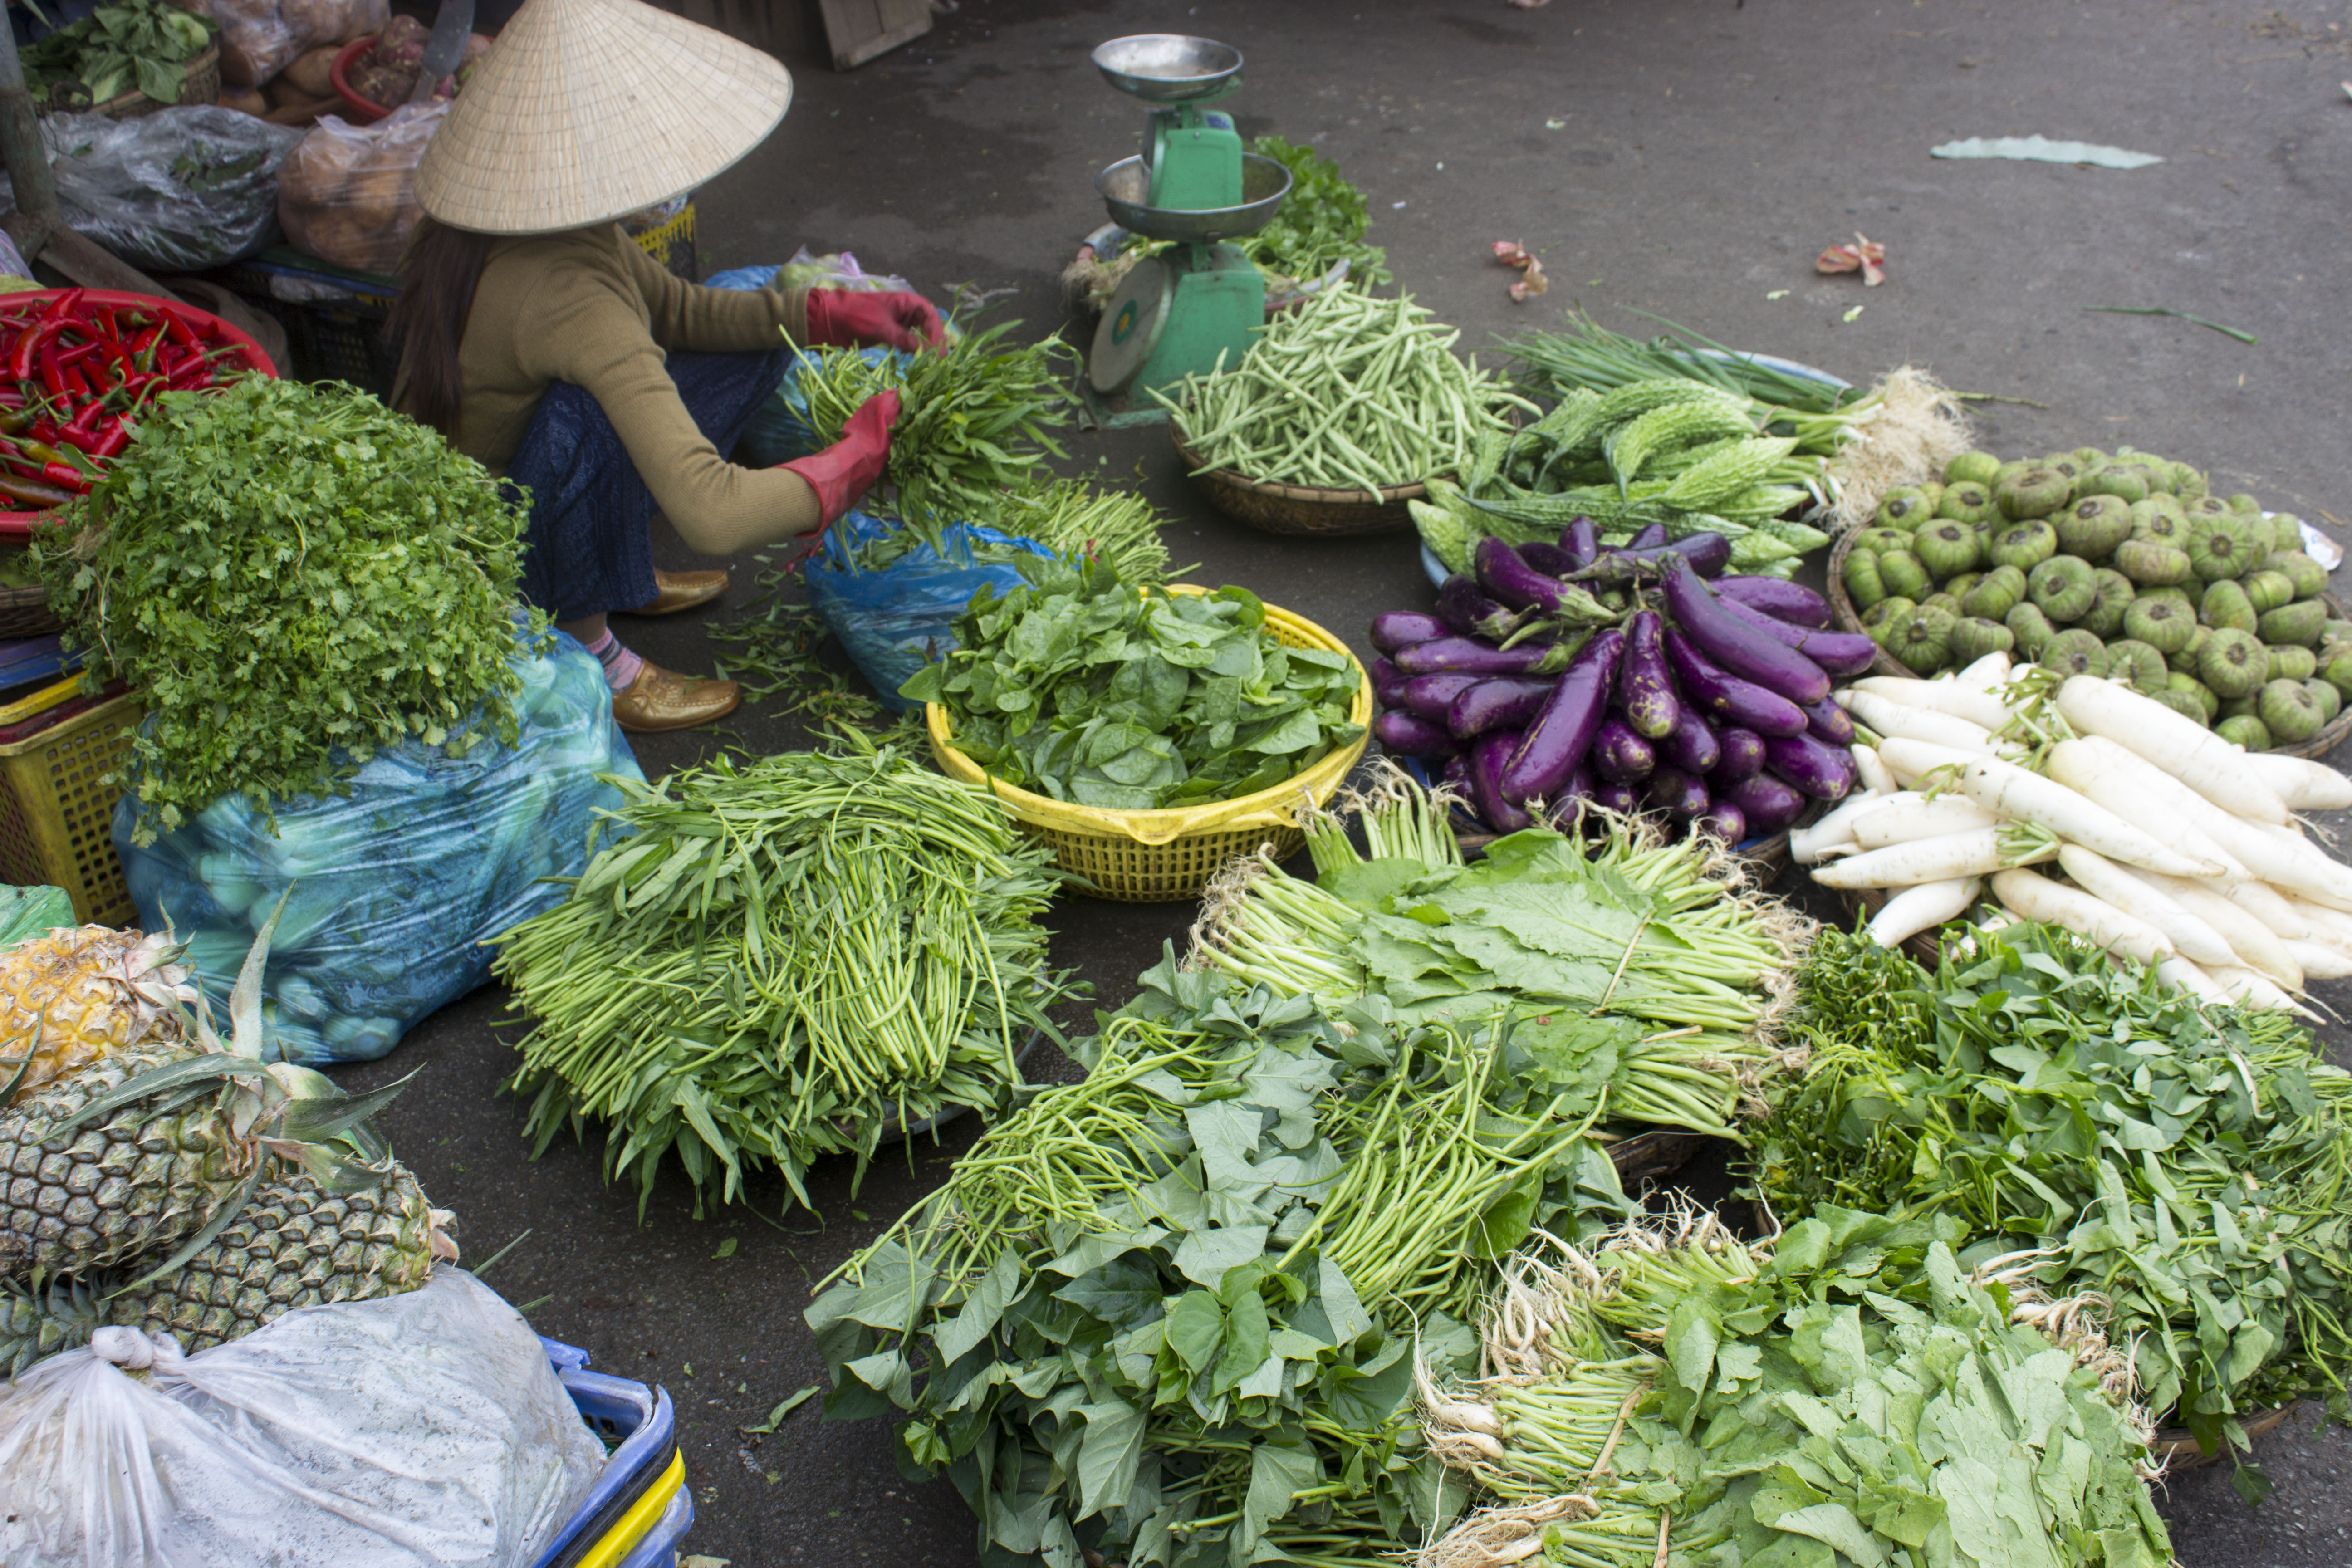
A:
{"x":641,"y":1420}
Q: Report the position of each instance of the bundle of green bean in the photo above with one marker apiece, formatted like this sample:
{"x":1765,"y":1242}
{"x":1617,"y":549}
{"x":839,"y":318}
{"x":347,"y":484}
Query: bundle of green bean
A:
{"x":972,"y":420}
{"x":778,"y":962}
{"x":1347,"y":391}
{"x":1068,"y":517}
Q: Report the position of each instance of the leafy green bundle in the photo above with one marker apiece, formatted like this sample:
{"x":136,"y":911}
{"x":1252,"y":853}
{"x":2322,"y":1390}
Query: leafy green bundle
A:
{"x":1085,"y":688}
{"x":781,"y":961}
{"x":2190,"y":1163}
{"x":1849,"y":1394}
{"x":1322,"y":221}
{"x":122,"y":45}
{"x":295,"y":575}
{"x":1124,"y":1322}
{"x":1068,"y":517}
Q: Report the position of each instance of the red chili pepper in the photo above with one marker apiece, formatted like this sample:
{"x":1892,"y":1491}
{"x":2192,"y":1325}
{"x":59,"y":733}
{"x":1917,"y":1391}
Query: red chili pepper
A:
{"x":80,"y":352}
{"x":104,"y":317}
{"x":180,"y":332}
{"x":143,"y":352}
{"x":65,"y":477}
{"x":53,"y":378}
{"x":117,"y":435}
{"x":77,"y":385}
{"x":119,"y":358}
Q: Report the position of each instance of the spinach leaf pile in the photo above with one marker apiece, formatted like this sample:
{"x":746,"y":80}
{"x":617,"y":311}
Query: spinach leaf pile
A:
{"x":2191,"y":1163}
{"x":1125,"y":1325}
{"x":295,"y":575}
{"x":1322,"y":221}
{"x":1081,"y":687}
{"x":1847,"y":1396}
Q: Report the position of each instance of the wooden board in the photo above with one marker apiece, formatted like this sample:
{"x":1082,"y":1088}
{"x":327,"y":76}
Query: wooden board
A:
{"x":857,"y":31}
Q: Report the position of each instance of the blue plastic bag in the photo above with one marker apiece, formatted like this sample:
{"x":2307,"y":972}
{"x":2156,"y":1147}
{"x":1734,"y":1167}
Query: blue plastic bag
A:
{"x":398,"y":883}
{"x":893,"y":619}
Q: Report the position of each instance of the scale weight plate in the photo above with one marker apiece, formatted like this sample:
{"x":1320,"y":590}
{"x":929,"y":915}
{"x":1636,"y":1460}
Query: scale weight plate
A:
{"x":1130,"y":326}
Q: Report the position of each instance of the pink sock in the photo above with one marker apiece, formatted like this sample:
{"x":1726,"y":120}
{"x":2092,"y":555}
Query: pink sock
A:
{"x":621,"y":665}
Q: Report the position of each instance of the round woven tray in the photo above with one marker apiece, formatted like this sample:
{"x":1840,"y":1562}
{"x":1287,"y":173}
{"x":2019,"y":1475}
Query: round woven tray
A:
{"x":1301,"y":509}
{"x":1841,"y":609}
{"x":2176,"y":1449}
{"x":202,"y":86}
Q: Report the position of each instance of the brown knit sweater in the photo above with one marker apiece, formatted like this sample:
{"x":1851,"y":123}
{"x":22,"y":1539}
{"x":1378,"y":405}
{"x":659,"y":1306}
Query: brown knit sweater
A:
{"x":591,"y":308}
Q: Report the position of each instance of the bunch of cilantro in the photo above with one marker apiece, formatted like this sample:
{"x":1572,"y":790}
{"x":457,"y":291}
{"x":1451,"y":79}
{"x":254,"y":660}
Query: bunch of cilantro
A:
{"x":2192,"y":1164}
{"x":1087,"y":688}
{"x":1103,"y":1330}
{"x":1322,"y":221}
{"x":293,"y":576}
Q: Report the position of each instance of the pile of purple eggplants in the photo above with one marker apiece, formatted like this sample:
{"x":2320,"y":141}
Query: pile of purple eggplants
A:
{"x":1559,"y":675}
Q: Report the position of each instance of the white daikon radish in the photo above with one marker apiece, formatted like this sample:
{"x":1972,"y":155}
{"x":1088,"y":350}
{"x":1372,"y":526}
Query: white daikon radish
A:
{"x":2251,"y":989}
{"x":1909,"y":816}
{"x":2302,"y":784}
{"x":1910,"y":760}
{"x":2008,"y":791}
{"x":1891,"y":718}
{"x":1969,"y":853}
{"x":1979,"y":706}
{"x":2033,"y":897}
{"x":2091,"y":768}
{"x":2334,"y":925}
{"x":1833,"y":834}
{"x":2269,"y":855}
{"x":2191,"y":936}
{"x":1873,"y":772}
{"x":2319,"y":961}
{"x":2178,"y":971}
{"x":2256,"y":945}
{"x":2258,"y":901}
{"x":1919,"y":909}
{"x":2179,"y":746}
{"x":1985,"y":673}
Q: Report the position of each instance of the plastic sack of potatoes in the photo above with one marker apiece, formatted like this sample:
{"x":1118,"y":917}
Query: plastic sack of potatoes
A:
{"x":423,"y":1430}
{"x":348,"y":193}
{"x":259,"y":38}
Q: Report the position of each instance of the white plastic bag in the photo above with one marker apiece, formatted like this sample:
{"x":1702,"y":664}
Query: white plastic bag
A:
{"x":348,"y":192}
{"x":419,"y":1431}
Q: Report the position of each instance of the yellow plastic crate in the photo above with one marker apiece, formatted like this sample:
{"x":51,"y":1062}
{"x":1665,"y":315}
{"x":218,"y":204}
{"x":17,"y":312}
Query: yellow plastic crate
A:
{"x":1162,"y":856}
{"x":57,"y":817}
{"x":672,"y":244}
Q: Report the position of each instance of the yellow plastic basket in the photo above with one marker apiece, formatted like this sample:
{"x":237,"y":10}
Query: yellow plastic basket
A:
{"x":56,"y":818}
{"x":1162,"y":856}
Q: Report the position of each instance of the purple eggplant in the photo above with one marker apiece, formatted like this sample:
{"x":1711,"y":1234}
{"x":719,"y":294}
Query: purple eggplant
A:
{"x":1791,"y":602}
{"x":1692,"y":746}
{"x":1504,"y":575}
{"x":1766,"y":804}
{"x":1721,"y":695}
{"x":1619,"y":754}
{"x":1457,"y":775}
{"x":1501,"y":702}
{"x":1810,"y":765}
{"x":1402,"y":628}
{"x":1647,"y":538}
{"x":1431,"y":697}
{"x":1409,"y":735}
{"x":1724,"y":821}
{"x":1737,"y":648}
{"x":1825,"y":720}
{"x":1708,"y":554}
{"x":1646,"y":687}
{"x":1463,"y":655}
{"x":1490,"y":754}
{"x":1558,"y":738}
{"x":1548,"y":559}
{"x":1684,"y":794}
{"x":1743,"y":758}
{"x":1465,"y":608}
{"x":1622,"y":799}
{"x":1387,"y":682}
{"x":1838,"y":653}
{"x":1581,"y":541}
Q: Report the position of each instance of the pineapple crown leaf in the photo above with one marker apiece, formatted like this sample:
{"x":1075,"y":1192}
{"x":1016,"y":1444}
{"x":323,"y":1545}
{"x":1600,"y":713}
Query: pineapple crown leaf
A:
{"x":181,"y":1074}
{"x":245,"y":999}
{"x":319,"y":1119}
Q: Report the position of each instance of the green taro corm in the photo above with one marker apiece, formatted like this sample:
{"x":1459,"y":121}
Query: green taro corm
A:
{"x":294,"y":575}
{"x":1077,"y":686}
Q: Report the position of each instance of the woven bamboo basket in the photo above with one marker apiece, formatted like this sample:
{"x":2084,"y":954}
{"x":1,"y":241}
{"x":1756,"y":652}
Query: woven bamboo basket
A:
{"x":1302,"y":509}
{"x":2331,"y":734}
{"x":202,"y":86}
{"x":25,"y":613}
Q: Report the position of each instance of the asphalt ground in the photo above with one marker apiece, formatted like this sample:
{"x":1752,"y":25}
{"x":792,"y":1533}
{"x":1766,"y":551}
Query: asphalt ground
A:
{"x":1685,"y":158}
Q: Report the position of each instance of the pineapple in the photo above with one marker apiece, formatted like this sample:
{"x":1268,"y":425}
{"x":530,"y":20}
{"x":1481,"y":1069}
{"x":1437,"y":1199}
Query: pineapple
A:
{"x":82,"y":993}
{"x":46,"y":1317}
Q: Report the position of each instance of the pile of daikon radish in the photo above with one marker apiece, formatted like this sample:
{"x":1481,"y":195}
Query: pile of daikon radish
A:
{"x":2180,"y":850}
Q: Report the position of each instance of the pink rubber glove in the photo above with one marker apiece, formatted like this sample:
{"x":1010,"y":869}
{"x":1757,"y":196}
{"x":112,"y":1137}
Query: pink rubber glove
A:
{"x":844,"y":471}
{"x":850,"y":318}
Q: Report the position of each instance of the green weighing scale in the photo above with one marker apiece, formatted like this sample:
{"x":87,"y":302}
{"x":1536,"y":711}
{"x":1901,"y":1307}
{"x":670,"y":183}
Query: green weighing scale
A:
{"x":1192,"y":184}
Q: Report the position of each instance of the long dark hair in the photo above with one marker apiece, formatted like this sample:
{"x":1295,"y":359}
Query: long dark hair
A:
{"x":437,"y":280}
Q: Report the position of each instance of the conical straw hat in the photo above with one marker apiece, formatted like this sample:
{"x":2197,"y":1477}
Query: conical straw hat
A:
{"x":587,"y":110}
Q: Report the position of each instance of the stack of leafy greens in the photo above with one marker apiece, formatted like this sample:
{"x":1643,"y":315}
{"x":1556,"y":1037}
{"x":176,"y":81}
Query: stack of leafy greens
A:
{"x":2189,"y":1162}
{"x":296,"y":575}
{"x":780,"y":962}
{"x":1068,"y":517}
{"x":124,"y":45}
{"x":1085,"y":688}
{"x":1168,"y":1314}
{"x":1848,"y":1396}
{"x":1659,"y":947}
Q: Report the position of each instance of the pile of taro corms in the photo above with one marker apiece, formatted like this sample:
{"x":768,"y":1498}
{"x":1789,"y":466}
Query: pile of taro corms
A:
{"x":1637,"y":678}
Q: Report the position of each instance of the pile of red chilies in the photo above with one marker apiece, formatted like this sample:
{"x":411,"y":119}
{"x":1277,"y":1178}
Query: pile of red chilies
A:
{"x":77,"y":374}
